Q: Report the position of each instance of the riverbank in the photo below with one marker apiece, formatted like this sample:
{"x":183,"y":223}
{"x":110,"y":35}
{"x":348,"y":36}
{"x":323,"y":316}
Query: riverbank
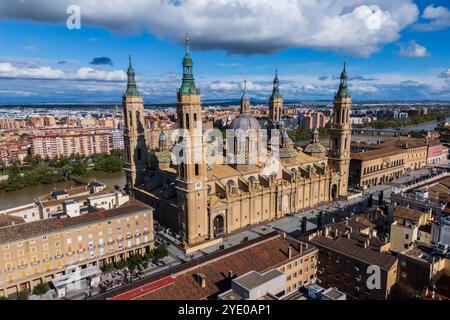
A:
{"x":28,"y":194}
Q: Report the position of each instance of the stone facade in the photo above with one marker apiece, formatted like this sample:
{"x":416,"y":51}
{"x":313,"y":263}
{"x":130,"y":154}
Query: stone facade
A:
{"x":203,"y":199}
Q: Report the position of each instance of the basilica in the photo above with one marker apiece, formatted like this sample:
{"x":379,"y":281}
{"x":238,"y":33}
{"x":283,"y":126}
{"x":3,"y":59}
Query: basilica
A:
{"x":206,"y":186}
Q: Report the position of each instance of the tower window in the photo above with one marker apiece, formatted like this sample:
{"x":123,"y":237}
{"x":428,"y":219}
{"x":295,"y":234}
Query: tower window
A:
{"x":195,"y":120}
{"x":197,"y":169}
{"x":131,"y":118}
{"x":187,"y":120}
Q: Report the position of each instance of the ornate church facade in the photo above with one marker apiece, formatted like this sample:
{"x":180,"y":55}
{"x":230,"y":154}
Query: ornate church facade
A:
{"x":204,"y":192}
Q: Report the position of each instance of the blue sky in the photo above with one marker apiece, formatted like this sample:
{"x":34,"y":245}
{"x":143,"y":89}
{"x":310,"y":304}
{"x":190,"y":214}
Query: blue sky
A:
{"x":395,"y":50}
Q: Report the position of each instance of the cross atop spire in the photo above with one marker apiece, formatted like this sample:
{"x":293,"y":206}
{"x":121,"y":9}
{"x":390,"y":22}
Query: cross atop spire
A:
{"x":129,"y":60}
{"x":186,"y":42}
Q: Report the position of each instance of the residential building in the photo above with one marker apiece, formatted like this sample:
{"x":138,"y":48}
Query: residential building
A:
{"x":408,"y":227}
{"x":38,"y":251}
{"x":274,"y":264}
{"x":349,"y":252}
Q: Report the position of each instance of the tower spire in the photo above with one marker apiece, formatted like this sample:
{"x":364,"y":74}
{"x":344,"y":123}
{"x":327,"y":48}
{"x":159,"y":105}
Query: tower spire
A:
{"x":245,"y":102}
{"x":276,"y":85}
{"x":343,"y":88}
{"x":132,"y":89}
{"x":188,"y":84}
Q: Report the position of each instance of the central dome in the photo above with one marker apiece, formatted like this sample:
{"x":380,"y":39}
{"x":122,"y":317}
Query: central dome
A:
{"x":245,"y":121}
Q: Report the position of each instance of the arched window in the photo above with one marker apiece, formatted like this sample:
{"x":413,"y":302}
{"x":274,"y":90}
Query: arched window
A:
{"x":230,"y":184}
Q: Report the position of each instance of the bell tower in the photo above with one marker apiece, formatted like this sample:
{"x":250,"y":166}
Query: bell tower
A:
{"x":191,"y":176}
{"x":340,"y":134}
{"x":275,"y":103}
{"x":136,"y":163}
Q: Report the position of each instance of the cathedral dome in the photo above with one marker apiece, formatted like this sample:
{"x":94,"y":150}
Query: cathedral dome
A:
{"x":314,"y":148}
{"x":245,"y":121}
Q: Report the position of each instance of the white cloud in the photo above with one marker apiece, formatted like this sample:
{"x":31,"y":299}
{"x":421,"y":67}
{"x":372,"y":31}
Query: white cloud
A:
{"x":413,"y":49}
{"x":358,"y":27}
{"x":7,"y":70}
{"x":445,"y":73}
{"x":439,"y":19}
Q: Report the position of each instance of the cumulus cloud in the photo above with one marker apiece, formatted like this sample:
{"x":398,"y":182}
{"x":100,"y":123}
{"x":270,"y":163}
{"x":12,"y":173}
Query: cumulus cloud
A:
{"x":7,"y":70}
{"x":357,"y":27}
{"x":101,"y":61}
{"x":413,"y":49}
{"x":352,"y":78}
{"x":438,"y":19}
{"x":445,"y":74}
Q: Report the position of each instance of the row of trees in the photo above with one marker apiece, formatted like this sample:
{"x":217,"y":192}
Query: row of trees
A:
{"x":36,"y":170}
{"x":383,"y":123}
{"x":302,"y":135}
{"x":136,"y":261}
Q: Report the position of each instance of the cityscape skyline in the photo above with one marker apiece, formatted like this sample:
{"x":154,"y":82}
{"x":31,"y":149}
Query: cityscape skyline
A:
{"x":399,"y":56}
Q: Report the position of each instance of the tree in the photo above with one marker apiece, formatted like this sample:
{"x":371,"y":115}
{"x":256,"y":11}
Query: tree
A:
{"x":121,"y":264}
{"x":108,"y":268}
{"x":41,"y":289}
{"x":161,"y":252}
{"x":22,"y":295}
{"x":134,"y":262}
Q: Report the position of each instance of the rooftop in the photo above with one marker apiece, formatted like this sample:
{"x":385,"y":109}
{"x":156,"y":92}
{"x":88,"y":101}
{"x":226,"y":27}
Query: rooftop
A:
{"x":352,"y":248}
{"x":260,"y":255}
{"x":37,"y":228}
{"x":255,"y":279}
{"x":407,"y":213}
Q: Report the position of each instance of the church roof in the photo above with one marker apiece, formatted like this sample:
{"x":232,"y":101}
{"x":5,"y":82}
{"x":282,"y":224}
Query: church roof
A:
{"x":245,"y":121}
{"x":161,"y":156}
{"x":315,"y":148}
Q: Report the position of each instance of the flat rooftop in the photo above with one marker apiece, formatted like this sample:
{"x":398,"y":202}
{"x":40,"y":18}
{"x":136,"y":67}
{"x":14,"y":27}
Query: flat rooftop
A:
{"x":255,"y":279}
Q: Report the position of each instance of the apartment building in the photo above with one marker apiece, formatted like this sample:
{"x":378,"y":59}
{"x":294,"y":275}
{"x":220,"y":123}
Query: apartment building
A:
{"x":312,"y":119}
{"x":290,"y":263}
{"x":408,"y":227}
{"x":348,"y":253}
{"x":42,"y":250}
{"x":65,"y":143}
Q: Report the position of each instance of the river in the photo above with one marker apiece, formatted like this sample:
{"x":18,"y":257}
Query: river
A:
{"x":27,"y":195}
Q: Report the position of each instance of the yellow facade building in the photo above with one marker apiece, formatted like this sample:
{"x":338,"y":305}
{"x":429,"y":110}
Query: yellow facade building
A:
{"x":35,"y":252}
{"x":204,"y":192}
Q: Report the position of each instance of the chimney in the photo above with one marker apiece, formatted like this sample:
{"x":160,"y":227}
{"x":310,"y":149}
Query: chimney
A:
{"x":289,"y":252}
{"x":230,"y":274}
{"x":201,"y":279}
{"x":348,"y":235}
{"x":366,"y":243}
{"x":300,"y":247}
